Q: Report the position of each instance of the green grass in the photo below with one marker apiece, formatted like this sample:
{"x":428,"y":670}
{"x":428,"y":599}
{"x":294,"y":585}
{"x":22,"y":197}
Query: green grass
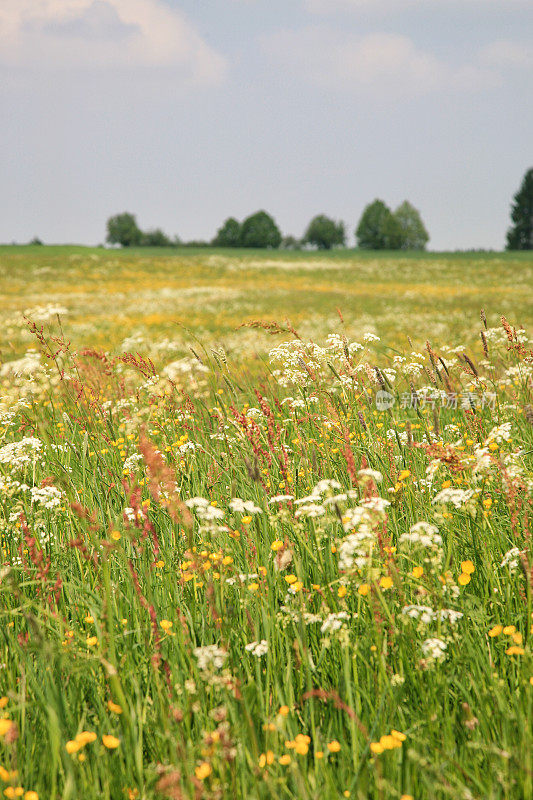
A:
{"x":110,"y":295}
{"x":111,"y":585}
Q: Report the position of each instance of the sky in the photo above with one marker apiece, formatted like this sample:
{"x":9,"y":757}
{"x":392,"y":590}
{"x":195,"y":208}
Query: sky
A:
{"x":185,"y":112}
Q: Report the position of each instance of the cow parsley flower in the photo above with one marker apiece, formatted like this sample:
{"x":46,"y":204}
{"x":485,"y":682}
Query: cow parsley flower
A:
{"x":257,"y":649}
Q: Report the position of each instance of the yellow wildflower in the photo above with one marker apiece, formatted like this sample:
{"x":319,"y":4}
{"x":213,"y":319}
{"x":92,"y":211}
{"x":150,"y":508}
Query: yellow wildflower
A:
{"x":109,"y":741}
{"x":203,"y":771}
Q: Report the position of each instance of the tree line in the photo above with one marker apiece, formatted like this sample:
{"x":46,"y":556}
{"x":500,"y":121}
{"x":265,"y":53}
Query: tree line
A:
{"x":379,"y":229}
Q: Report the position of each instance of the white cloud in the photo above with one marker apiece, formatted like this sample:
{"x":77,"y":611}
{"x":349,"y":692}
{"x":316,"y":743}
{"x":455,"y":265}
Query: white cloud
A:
{"x":113,"y":33}
{"x":379,"y":64}
{"x":505,"y":54}
{"x":328,"y":6}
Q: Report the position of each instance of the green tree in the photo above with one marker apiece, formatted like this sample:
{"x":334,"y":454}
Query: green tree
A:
{"x":413,"y":234}
{"x":325,"y":233}
{"x":229,"y":235}
{"x":291,"y":243}
{"x":260,"y":230}
{"x":520,"y":235}
{"x":377,"y":228}
{"x":123,"y":229}
{"x":155,"y":238}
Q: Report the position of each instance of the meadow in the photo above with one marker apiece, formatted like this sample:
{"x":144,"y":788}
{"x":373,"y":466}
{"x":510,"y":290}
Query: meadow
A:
{"x":265,"y":525}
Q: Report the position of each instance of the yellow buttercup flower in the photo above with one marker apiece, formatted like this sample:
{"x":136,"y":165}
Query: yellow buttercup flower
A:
{"x":85,"y":737}
{"x":203,"y":771}
{"x":109,"y":741}
{"x":509,"y":630}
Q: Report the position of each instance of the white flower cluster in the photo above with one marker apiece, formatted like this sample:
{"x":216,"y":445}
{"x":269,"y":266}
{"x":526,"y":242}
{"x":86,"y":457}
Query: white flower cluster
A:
{"x":132,"y":462}
{"x":314,"y":505}
{"x":457,"y":497}
{"x":356,"y":550}
{"x":187,"y":447}
{"x":434,"y":649}
{"x":210,"y":657}
{"x":511,"y":559}
{"x":244,"y":506}
{"x":424,"y":534}
{"x":257,"y":649}
{"x":426,"y":539}
{"x":204,"y":509}
{"x":131,"y":516}
{"x":27,"y":366}
{"x":297,"y":357}
{"x":427,"y":615}
{"x":45,"y":313}
{"x":334,"y":622}
{"x":46,"y":496}
{"x":242,"y":577}
{"x":502,"y":433}
{"x":366,"y":475}
{"x":281,"y":498}
{"x":19,"y":454}
{"x":187,"y":367}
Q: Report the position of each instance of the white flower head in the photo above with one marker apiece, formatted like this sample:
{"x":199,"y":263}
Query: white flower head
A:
{"x":257,"y":649}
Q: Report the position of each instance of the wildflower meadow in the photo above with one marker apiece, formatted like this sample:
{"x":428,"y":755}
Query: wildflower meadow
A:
{"x":302,"y":570}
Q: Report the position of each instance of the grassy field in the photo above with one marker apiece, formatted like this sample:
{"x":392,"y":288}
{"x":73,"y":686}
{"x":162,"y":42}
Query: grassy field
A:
{"x":154,"y":299}
{"x":292,"y":559}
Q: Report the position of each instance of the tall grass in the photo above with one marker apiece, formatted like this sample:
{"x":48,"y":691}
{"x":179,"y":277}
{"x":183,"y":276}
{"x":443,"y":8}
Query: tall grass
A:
{"x":169,"y":630}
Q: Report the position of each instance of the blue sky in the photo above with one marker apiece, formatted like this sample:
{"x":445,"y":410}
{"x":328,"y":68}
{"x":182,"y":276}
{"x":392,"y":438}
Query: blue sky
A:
{"x":188,"y":111}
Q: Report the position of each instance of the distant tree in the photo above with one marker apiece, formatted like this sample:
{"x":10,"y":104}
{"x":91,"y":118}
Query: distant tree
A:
{"x":520,"y":235}
{"x":413,"y":234}
{"x":123,"y":229}
{"x":291,"y":243}
{"x":260,"y":230}
{"x":377,"y":228}
{"x":155,"y":238}
{"x":325,"y":233}
{"x":229,"y":235}
{"x":35,"y":241}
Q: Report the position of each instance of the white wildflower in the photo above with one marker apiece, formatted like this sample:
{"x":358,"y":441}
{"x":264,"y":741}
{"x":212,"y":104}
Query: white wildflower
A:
{"x":257,"y":649}
{"x":511,"y":559}
{"x":434,"y":649}
{"x":334,"y":621}
{"x":210,"y":657}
